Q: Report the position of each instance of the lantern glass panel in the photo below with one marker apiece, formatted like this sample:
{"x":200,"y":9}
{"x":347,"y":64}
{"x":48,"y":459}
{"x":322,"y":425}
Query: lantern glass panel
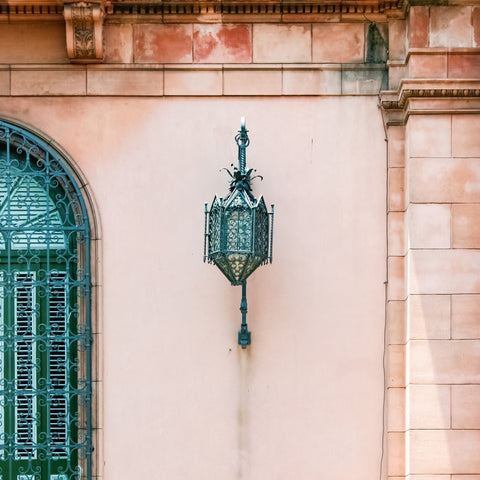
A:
{"x":239,"y":230}
{"x":215,"y":226}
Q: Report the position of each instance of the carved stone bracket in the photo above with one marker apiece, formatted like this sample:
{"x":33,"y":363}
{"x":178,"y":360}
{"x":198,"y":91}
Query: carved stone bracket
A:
{"x":84,"y":28}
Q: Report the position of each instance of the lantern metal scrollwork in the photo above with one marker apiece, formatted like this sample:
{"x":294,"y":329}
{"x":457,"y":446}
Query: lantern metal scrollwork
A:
{"x":239,"y":230}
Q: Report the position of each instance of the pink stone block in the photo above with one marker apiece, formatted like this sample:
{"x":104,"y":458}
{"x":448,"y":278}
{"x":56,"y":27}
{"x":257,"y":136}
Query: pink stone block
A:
{"x":396,"y":318}
{"x":444,"y":180}
{"x":4,"y":82}
{"x":463,"y":66}
{"x":281,"y":43}
{"x":451,"y":27}
{"x":48,"y":82}
{"x":465,"y":225}
{"x":444,"y":271}
{"x":429,"y":136}
{"x":465,"y":406}
{"x":396,"y":409}
{"x":220,"y":43}
{"x":118,"y":43}
{"x":32,"y":42}
{"x":444,"y":451}
{"x":396,"y":73}
{"x":429,"y":317}
{"x":465,"y":477}
{"x":312,"y":81}
{"x":159,"y":43}
{"x":193,"y":82}
{"x":125,"y":82}
{"x":253,"y":82}
{"x":396,"y":146}
{"x":465,"y":137}
{"x":396,"y":365}
{"x":465,"y":315}
{"x":444,"y":362}
{"x":396,"y":189}
{"x":396,"y":233}
{"x":429,"y":226}
{"x":396,"y":278}
{"x":418,"y":27}
{"x":428,"y":406}
{"x":428,"y":65}
{"x":338,"y":43}
{"x":396,"y":453}
{"x":397,"y":40}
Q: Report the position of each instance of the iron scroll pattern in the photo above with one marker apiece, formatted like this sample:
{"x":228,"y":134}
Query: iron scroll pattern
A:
{"x":45,"y":319}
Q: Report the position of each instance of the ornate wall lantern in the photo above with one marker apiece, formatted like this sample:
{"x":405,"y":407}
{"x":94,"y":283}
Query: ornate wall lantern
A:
{"x":238,"y":230}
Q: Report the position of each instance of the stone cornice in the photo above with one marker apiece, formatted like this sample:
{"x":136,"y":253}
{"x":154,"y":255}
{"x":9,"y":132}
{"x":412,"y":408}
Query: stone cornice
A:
{"x":430,"y":96}
{"x":171,"y":11}
{"x":429,"y":89}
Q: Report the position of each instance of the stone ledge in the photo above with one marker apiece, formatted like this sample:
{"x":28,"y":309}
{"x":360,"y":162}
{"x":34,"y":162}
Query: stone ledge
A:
{"x":190,"y":80}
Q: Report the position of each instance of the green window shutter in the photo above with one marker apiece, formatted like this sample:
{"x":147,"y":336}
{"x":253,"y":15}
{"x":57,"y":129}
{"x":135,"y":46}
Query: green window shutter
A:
{"x":45,"y":330}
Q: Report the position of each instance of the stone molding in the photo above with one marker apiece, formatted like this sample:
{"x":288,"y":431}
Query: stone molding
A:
{"x":212,"y":11}
{"x":212,"y":80}
{"x":415,"y":96}
{"x":84,"y":30}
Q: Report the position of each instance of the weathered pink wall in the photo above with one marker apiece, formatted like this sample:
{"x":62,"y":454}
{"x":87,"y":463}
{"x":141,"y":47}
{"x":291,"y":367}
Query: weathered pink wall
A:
{"x":181,"y":400}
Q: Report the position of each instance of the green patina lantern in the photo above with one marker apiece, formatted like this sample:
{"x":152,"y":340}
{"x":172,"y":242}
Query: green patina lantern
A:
{"x":239,"y":230}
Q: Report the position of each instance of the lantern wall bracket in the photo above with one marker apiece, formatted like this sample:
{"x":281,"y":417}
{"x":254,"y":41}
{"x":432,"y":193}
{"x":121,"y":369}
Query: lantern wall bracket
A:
{"x":244,"y":336}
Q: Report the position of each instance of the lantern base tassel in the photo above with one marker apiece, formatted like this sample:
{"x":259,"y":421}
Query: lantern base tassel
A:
{"x":244,"y":336}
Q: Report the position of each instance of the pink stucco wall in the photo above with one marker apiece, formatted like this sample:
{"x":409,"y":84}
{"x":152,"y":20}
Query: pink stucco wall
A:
{"x":180,"y":399}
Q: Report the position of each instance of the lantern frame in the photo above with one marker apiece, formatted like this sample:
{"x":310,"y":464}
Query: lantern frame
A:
{"x":239,"y":230}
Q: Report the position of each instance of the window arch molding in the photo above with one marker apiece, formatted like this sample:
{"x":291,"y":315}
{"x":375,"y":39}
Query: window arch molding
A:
{"x":49,"y":335}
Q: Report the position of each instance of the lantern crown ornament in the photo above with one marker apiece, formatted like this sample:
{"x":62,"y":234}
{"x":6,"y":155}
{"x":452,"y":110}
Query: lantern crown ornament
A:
{"x":239,"y":229}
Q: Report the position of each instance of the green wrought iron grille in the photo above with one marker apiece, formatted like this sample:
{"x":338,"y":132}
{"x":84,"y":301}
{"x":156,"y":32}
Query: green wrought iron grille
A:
{"x":45,"y":324}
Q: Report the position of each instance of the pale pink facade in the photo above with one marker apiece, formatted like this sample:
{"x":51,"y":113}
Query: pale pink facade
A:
{"x":365,"y":355}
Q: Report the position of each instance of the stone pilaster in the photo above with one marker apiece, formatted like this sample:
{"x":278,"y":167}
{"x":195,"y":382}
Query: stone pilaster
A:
{"x":433,"y":120}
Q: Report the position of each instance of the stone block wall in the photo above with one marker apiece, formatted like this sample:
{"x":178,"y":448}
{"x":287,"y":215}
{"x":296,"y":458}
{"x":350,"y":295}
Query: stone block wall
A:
{"x":434,"y":257}
{"x":171,"y":59}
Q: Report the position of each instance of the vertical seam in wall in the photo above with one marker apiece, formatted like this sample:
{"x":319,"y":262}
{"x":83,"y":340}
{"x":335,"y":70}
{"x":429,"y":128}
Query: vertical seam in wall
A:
{"x":311,"y":43}
{"x":451,"y":133}
{"x":223,"y":79}
{"x":10,"y":79}
{"x":192,"y":50}
{"x":86,"y":80}
{"x":163,"y":89}
{"x":451,"y":407}
{"x":429,"y":26}
{"x":447,"y":64}
{"x":451,"y":329}
{"x":251,"y":42}
{"x":451,"y":225}
{"x":281,"y":80}
{"x":365,"y":39}
{"x":133,"y":44}
{"x":341,"y":79}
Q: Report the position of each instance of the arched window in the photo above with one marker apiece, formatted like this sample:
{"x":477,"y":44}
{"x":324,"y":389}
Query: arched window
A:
{"x":45,"y":321}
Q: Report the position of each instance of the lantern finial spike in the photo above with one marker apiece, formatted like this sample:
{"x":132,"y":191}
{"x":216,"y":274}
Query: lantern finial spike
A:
{"x":243,"y":142}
